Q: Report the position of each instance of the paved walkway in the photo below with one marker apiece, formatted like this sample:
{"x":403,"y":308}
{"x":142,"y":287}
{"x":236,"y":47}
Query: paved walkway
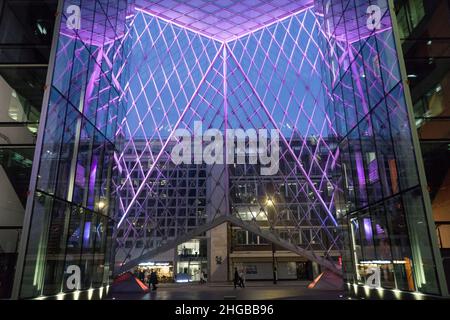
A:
{"x":284,"y":290}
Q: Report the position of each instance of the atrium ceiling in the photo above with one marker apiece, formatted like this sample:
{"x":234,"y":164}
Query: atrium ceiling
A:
{"x":222,"y":20}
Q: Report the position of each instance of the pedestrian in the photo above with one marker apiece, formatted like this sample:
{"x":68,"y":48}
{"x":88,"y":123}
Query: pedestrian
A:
{"x":147,"y":277}
{"x":153,"y":279}
{"x":202,"y":277}
{"x":242,"y":278}
{"x":236,"y":280}
{"x":141,"y":275}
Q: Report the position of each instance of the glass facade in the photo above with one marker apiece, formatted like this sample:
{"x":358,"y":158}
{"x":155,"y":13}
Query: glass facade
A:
{"x":427,"y":62}
{"x":70,"y":215}
{"x":383,"y":210}
{"x":323,"y":77}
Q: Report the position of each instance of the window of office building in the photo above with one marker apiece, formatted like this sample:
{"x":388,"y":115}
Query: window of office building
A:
{"x":409,"y":13}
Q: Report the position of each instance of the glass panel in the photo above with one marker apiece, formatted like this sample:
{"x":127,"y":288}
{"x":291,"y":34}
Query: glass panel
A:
{"x":51,"y":147}
{"x":370,"y":160}
{"x":82,"y":177}
{"x":74,"y":242}
{"x":401,"y":135}
{"x":77,"y":160}
{"x":66,"y":169}
{"x":56,"y":248}
{"x":356,"y":242}
{"x":385,"y":151}
{"x":33,"y":273}
{"x":422,"y":253}
{"x":383,"y":246}
{"x":87,"y":252}
{"x":365,"y":223}
{"x":400,"y":244}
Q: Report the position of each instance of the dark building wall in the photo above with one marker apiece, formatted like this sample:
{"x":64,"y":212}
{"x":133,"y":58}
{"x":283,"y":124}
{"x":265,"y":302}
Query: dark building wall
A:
{"x":26,"y":29}
{"x":426,"y":48}
{"x":68,"y":222}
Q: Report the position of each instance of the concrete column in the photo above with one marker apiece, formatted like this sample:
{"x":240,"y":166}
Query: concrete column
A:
{"x":218,"y":254}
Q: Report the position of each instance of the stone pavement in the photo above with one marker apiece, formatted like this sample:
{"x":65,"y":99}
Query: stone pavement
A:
{"x":261,"y":290}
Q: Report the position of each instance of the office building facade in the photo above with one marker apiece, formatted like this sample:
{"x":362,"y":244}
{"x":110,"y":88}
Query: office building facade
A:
{"x":424,"y":34}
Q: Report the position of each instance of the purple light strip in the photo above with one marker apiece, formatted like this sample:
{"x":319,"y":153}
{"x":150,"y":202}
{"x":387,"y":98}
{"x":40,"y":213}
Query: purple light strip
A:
{"x":95,"y":76}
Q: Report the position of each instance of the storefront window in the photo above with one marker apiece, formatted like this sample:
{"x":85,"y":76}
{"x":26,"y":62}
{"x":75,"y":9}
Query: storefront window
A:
{"x":193,"y":248}
{"x":164,"y":271}
{"x":190,"y":270}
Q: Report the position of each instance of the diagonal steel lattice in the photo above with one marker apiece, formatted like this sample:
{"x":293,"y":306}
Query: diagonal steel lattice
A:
{"x":270,"y":78}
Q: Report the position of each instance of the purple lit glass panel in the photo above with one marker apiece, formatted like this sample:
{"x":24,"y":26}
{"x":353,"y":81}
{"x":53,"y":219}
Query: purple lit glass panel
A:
{"x":80,"y":178}
{"x":373,"y":171}
{"x":92,"y":180}
{"x":368,"y":229}
{"x":87,"y":232}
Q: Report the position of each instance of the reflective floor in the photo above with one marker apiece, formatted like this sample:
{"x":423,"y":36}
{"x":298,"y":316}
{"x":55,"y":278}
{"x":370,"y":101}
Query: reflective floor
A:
{"x":253,"y":291}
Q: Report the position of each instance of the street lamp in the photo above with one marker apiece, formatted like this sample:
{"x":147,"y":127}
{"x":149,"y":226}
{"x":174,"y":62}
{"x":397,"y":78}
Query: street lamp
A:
{"x":101,"y":205}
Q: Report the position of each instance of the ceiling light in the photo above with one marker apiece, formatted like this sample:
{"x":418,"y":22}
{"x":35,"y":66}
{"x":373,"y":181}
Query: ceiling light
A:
{"x":42,"y":30}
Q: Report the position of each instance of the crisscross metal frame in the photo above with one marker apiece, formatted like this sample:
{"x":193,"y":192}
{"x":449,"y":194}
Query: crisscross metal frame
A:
{"x":267,"y":79}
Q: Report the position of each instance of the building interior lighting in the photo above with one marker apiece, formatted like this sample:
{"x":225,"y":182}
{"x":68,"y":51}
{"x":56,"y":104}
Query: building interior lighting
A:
{"x":270,"y":202}
{"x":101,"y":205}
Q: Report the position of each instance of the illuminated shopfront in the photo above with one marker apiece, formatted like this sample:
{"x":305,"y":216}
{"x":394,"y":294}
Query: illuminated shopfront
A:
{"x":164,"y":270}
{"x":192,"y":260}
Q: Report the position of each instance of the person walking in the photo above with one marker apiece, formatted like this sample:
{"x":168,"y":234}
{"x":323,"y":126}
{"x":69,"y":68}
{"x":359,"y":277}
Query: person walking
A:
{"x":147,"y":277}
{"x":202,"y":277}
{"x":153,"y":280}
{"x":141,"y":275}
{"x":242,"y":278}
{"x":236,"y":278}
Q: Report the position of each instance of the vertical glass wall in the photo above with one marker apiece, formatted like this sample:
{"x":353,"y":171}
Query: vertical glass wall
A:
{"x":427,"y":61}
{"x":381,"y":207}
{"x":68,"y":222}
